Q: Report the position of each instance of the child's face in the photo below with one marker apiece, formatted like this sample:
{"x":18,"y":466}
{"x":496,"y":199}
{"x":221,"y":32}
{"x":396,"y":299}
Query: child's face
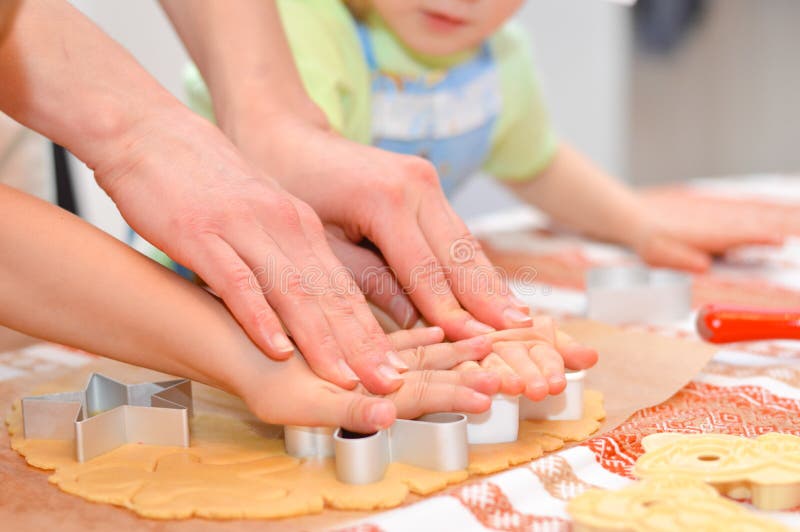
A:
{"x":441,"y":27}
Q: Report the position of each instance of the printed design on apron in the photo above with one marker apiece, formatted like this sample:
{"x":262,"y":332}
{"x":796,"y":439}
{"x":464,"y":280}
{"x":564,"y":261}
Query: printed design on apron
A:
{"x":447,"y":119}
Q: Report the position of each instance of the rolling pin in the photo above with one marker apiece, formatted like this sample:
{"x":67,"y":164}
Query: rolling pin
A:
{"x":721,"y":324}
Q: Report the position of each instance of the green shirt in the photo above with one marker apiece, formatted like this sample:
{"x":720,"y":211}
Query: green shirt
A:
{"x":328,"y":54}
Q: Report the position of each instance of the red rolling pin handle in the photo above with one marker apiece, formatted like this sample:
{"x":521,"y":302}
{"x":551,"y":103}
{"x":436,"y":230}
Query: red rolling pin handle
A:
{"x":721,"y":324}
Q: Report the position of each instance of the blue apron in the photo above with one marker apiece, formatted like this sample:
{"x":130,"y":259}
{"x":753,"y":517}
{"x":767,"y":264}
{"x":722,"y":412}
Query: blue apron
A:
{"x":448,"y":121}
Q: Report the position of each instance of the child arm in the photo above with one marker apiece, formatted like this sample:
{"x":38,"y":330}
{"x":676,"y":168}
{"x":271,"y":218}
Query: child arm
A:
{"x":65,"y":281}
{"x":576,"y":193}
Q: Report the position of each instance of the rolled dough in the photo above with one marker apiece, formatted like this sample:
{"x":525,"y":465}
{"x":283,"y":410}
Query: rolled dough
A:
{"x":235,"y":468}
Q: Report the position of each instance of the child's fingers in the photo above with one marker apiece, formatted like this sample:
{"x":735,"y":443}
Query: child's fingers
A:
{"x":671,"y":253}
{"x":445,"y":356}
{"x":510,"y":382}
{"x":411,"y":338}
{"x":543,"y":328}
{"x":348,"y":409}
{"x":720,"y":239}
{"x":467,"y":366}
{"x":576,"y":356}
{"x":517,"y":355}
{"x":546,"y":326}
{"x":517,"y":335}
{"x":551,"y":364}
{"x":445,"y":391}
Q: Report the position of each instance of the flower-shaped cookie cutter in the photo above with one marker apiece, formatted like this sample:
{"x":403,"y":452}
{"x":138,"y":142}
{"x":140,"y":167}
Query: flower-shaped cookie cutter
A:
{"x":107,"y":414}
{"x":622,"y":294}
{"x":434,"y":441}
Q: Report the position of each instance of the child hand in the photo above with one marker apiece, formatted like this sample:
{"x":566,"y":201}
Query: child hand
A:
{"x":288,"y":392}
{"x":510,"y":382}
{"x":673,"y":244}
{"x":532,"y":360}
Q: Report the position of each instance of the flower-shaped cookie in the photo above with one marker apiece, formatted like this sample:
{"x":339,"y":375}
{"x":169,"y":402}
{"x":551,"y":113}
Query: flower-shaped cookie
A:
{"x":661,"y":503}
{"x":766,"y":468}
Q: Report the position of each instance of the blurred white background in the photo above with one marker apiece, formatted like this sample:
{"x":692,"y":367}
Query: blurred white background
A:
{"x":721,"y":101}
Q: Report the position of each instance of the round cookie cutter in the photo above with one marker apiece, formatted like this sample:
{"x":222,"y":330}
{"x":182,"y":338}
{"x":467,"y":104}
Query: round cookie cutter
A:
{"x":622,"y":294}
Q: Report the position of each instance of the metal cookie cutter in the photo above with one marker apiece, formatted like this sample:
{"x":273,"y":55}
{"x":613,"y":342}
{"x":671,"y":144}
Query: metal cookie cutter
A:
{"x":619,"y":294}
{"x":434,"y":441}
{"x":108,"y":413}
{"x":500,"y":424}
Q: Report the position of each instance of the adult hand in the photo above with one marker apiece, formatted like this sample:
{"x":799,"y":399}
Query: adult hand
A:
{"x":396,"y":202}
{"x":374,"y":277}
{"x":183,"y":187}
{"x":181,"y":184}
{"x":392,"y":200}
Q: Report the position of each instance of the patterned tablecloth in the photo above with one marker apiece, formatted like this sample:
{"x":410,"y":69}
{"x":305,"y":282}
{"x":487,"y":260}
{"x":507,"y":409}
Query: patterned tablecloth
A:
{"x":747,"y":389}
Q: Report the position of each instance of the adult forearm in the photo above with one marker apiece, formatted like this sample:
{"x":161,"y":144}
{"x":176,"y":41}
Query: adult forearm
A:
{"x":240,"y":48}
{"x":65,"y":78}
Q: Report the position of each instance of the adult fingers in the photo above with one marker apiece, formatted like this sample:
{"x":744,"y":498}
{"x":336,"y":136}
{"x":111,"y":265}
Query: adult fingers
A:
{"x":479,"y":287}
{"x":228,"y":275}
{"x":423,"y":278}
{"x":297,"y":302}
{"x":375,"y":279}
{"x":323,"y":319}
{"x":363,"y":342}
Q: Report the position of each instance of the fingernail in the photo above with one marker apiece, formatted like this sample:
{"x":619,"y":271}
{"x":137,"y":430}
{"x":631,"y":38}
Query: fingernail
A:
{"x":401,"y":309}
{"x":538,"y":389}
{"x":516,"y":316}
{"x":388,"y":373}
{"x":379,"y":415}
{"x":282,"y":343}
{"x":346,"y":371}
{"x":477,"y":327}
{"x":478,"y":341}
{"x":436,"y":329}
{"x":396,"y":361}
{"x":517,"y":301}
{"x":557,"y":380}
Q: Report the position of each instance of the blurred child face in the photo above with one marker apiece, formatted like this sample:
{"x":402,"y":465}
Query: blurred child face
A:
{"x":441,"y":27}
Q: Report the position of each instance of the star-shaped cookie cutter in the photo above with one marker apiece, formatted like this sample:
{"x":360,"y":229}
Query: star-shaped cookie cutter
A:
{"x":434,"y":441}
{"x":108,"y":413}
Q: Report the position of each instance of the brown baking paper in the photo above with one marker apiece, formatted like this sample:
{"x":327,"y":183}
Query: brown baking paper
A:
{"x":637,"y":369}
